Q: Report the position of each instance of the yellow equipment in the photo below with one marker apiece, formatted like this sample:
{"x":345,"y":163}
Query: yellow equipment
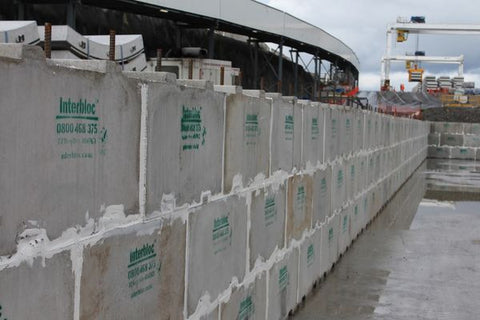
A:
{"x":402,"y":35}
{"x":415,"y":75}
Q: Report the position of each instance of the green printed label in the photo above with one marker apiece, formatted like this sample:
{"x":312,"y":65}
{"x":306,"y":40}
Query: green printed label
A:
{"x":339,"y":178}
{"x":352,"y":171}
{"x":323,"y":186}
{"x":191,"y":127}
{"x":334,"y":128}
{"x":142,"y":268}
{"x":315,"y":130}
{"x":289,"y":127}
{"x":463,"y":151}
{"x":300,"y":199}
{"x":356,"y":210}
{"x":330,"y":234}
{"x":283,"y":278}
{"x":348,"y":126}
{"x":78,"y":129}
{"x":270,"y":210}
{"x":345,"y":224}
{"x":221,"y":234}
{"x":252,"y":130}
{"x":247,"y":309}
{"x":310,"y":255}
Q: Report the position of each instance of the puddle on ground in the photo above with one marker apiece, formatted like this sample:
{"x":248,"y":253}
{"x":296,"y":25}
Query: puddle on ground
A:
{"x":418,"y":259}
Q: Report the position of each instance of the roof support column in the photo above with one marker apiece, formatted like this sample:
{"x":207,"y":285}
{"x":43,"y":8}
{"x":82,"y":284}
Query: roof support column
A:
{"x":280,"y":67}
{"x":211,"y":43}
{"x":71,"y":13}
{"x":295,"y":72}
{"x":255,"y":64}
{"x":316,"y":59}
{"x":20,"y":10}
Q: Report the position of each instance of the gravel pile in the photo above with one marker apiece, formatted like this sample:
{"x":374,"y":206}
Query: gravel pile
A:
{"x":452,"y":114}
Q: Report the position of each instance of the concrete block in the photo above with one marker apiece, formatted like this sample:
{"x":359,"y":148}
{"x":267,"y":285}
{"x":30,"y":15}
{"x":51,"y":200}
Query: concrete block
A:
{"x":447,"y":139}
{"x":282,"y":136}
{"x":345,"y":230}
{"x":463,"y":153}
{"x":369,"y":131}
{"x":471,"y":141}
{"x":299,"y":206}
{"x":351,"y":172}
{"x":358,"y":130}
{"x":329,"y":243}
{"x":339,"y":191}
{"x":247,"y":302}
{"x":449,"y":127}
{"x":185,"y":137}
{"x":362,"y":173}
{"x":309,"y":264}
{"x":43,"y":290}
{"x":217,"y":248}
{"x":434,"y":139}
{"x":212,"y":315}
{"x":357,"y":218}
{"x":267,"y":214}
{"x":129,"y":276}
{"x":75,"y":140}
{"x":247,"y":138}
{"x":297,"y":134}
{"x":313,"y":135}
{"x":332,"y":136}
{"x":348,"y":139}
{"x":322,"y":195}
{"x":472,"y":128}
{"x":282,"y":286}
{"x":439,"y":152}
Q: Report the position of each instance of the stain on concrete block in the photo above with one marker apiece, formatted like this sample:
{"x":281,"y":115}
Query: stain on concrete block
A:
{"x":247,"y":138}
{"x":247,"y":302}
{"x":130,"y":276}
{"x":217,"y":248}
{"x":38,"y":291}
{"x":267,"y":214}
{"x":299,"y":206}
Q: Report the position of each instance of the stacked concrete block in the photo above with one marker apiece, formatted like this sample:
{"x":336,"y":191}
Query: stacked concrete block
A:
{"x":299,"y":206}
{"x":322,"y":195}
{"x":283,"y":285}
{"x":462,"y":153}
{"x":185,"y":142}
{"x":358,"y":130}
{"x":72,"y":143}
{"x":329,"y":243}
{"x":267,"y":215}
{"x":309,"y":264}
{"x":282,"y":135}
{"x":448,"y":139}
{"x":126,"y":276}
{"x":217,"y":248}
{"x":313,"y":135}
{"x":247,"y":301}
{"x":246,"y":139}
{"x":344,"y":232}
{"x":339,"y":188}
{"x":43,"y":289}
{"x":298,"y":134}
{"x":351,"y":172}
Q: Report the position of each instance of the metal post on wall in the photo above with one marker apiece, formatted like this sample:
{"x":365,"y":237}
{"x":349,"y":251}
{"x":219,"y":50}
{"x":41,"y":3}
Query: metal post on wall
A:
{"x":295,"y":72}
{"x":280,"y":66}
{"x":315,"y":79}
{"x":255,"y":64}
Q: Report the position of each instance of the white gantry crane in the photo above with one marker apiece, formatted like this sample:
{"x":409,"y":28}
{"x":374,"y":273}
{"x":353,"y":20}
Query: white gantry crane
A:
{"x":416,"y":25}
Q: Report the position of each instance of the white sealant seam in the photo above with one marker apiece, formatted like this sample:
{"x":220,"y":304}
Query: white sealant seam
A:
{"x":76,"y":255}
{"x":224,"y":141}
{"x":142,"y":180}
{"x":187,"y":251}
{"x":271,"y":138}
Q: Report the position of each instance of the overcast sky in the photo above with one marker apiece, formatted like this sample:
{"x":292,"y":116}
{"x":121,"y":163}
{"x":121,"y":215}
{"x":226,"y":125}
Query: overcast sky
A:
{"x":361,"y":25}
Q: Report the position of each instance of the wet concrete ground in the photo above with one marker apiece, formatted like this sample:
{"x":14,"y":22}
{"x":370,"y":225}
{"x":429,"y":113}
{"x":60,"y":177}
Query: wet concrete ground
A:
{"x":420,"y":259}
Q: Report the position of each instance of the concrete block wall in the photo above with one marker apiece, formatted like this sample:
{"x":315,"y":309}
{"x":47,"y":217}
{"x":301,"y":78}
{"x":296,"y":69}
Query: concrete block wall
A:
{"x":454,"y":140}
{"x":187,"y":202}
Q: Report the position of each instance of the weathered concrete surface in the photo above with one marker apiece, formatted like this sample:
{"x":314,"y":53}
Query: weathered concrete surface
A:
{"x":267,"y":214}
{"x":185,"y":143}
{"x":309,"y":264}
{"x":282,"y":286}
{"x":217,"y":248}
{"x":59,"y":162}
{"x":313,"y":134}
{"x":247,"y":302}
{"x":410,"y":264}
{"x":299,"y":206}
{"x":322,"y":195}
{"x":38,"y":291}
{"x":282,"y":135}
{"x":297,"y":135}
{"x":247,"y":138}
{"x":451,"y":139}
{"x":135,"y":276}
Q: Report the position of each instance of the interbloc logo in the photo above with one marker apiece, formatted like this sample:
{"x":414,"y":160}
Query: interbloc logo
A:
{"x":193,"y":132}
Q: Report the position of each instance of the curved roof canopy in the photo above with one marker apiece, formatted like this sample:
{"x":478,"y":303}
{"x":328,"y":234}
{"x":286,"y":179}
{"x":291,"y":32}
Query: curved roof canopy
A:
{"x":245,"y":17}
